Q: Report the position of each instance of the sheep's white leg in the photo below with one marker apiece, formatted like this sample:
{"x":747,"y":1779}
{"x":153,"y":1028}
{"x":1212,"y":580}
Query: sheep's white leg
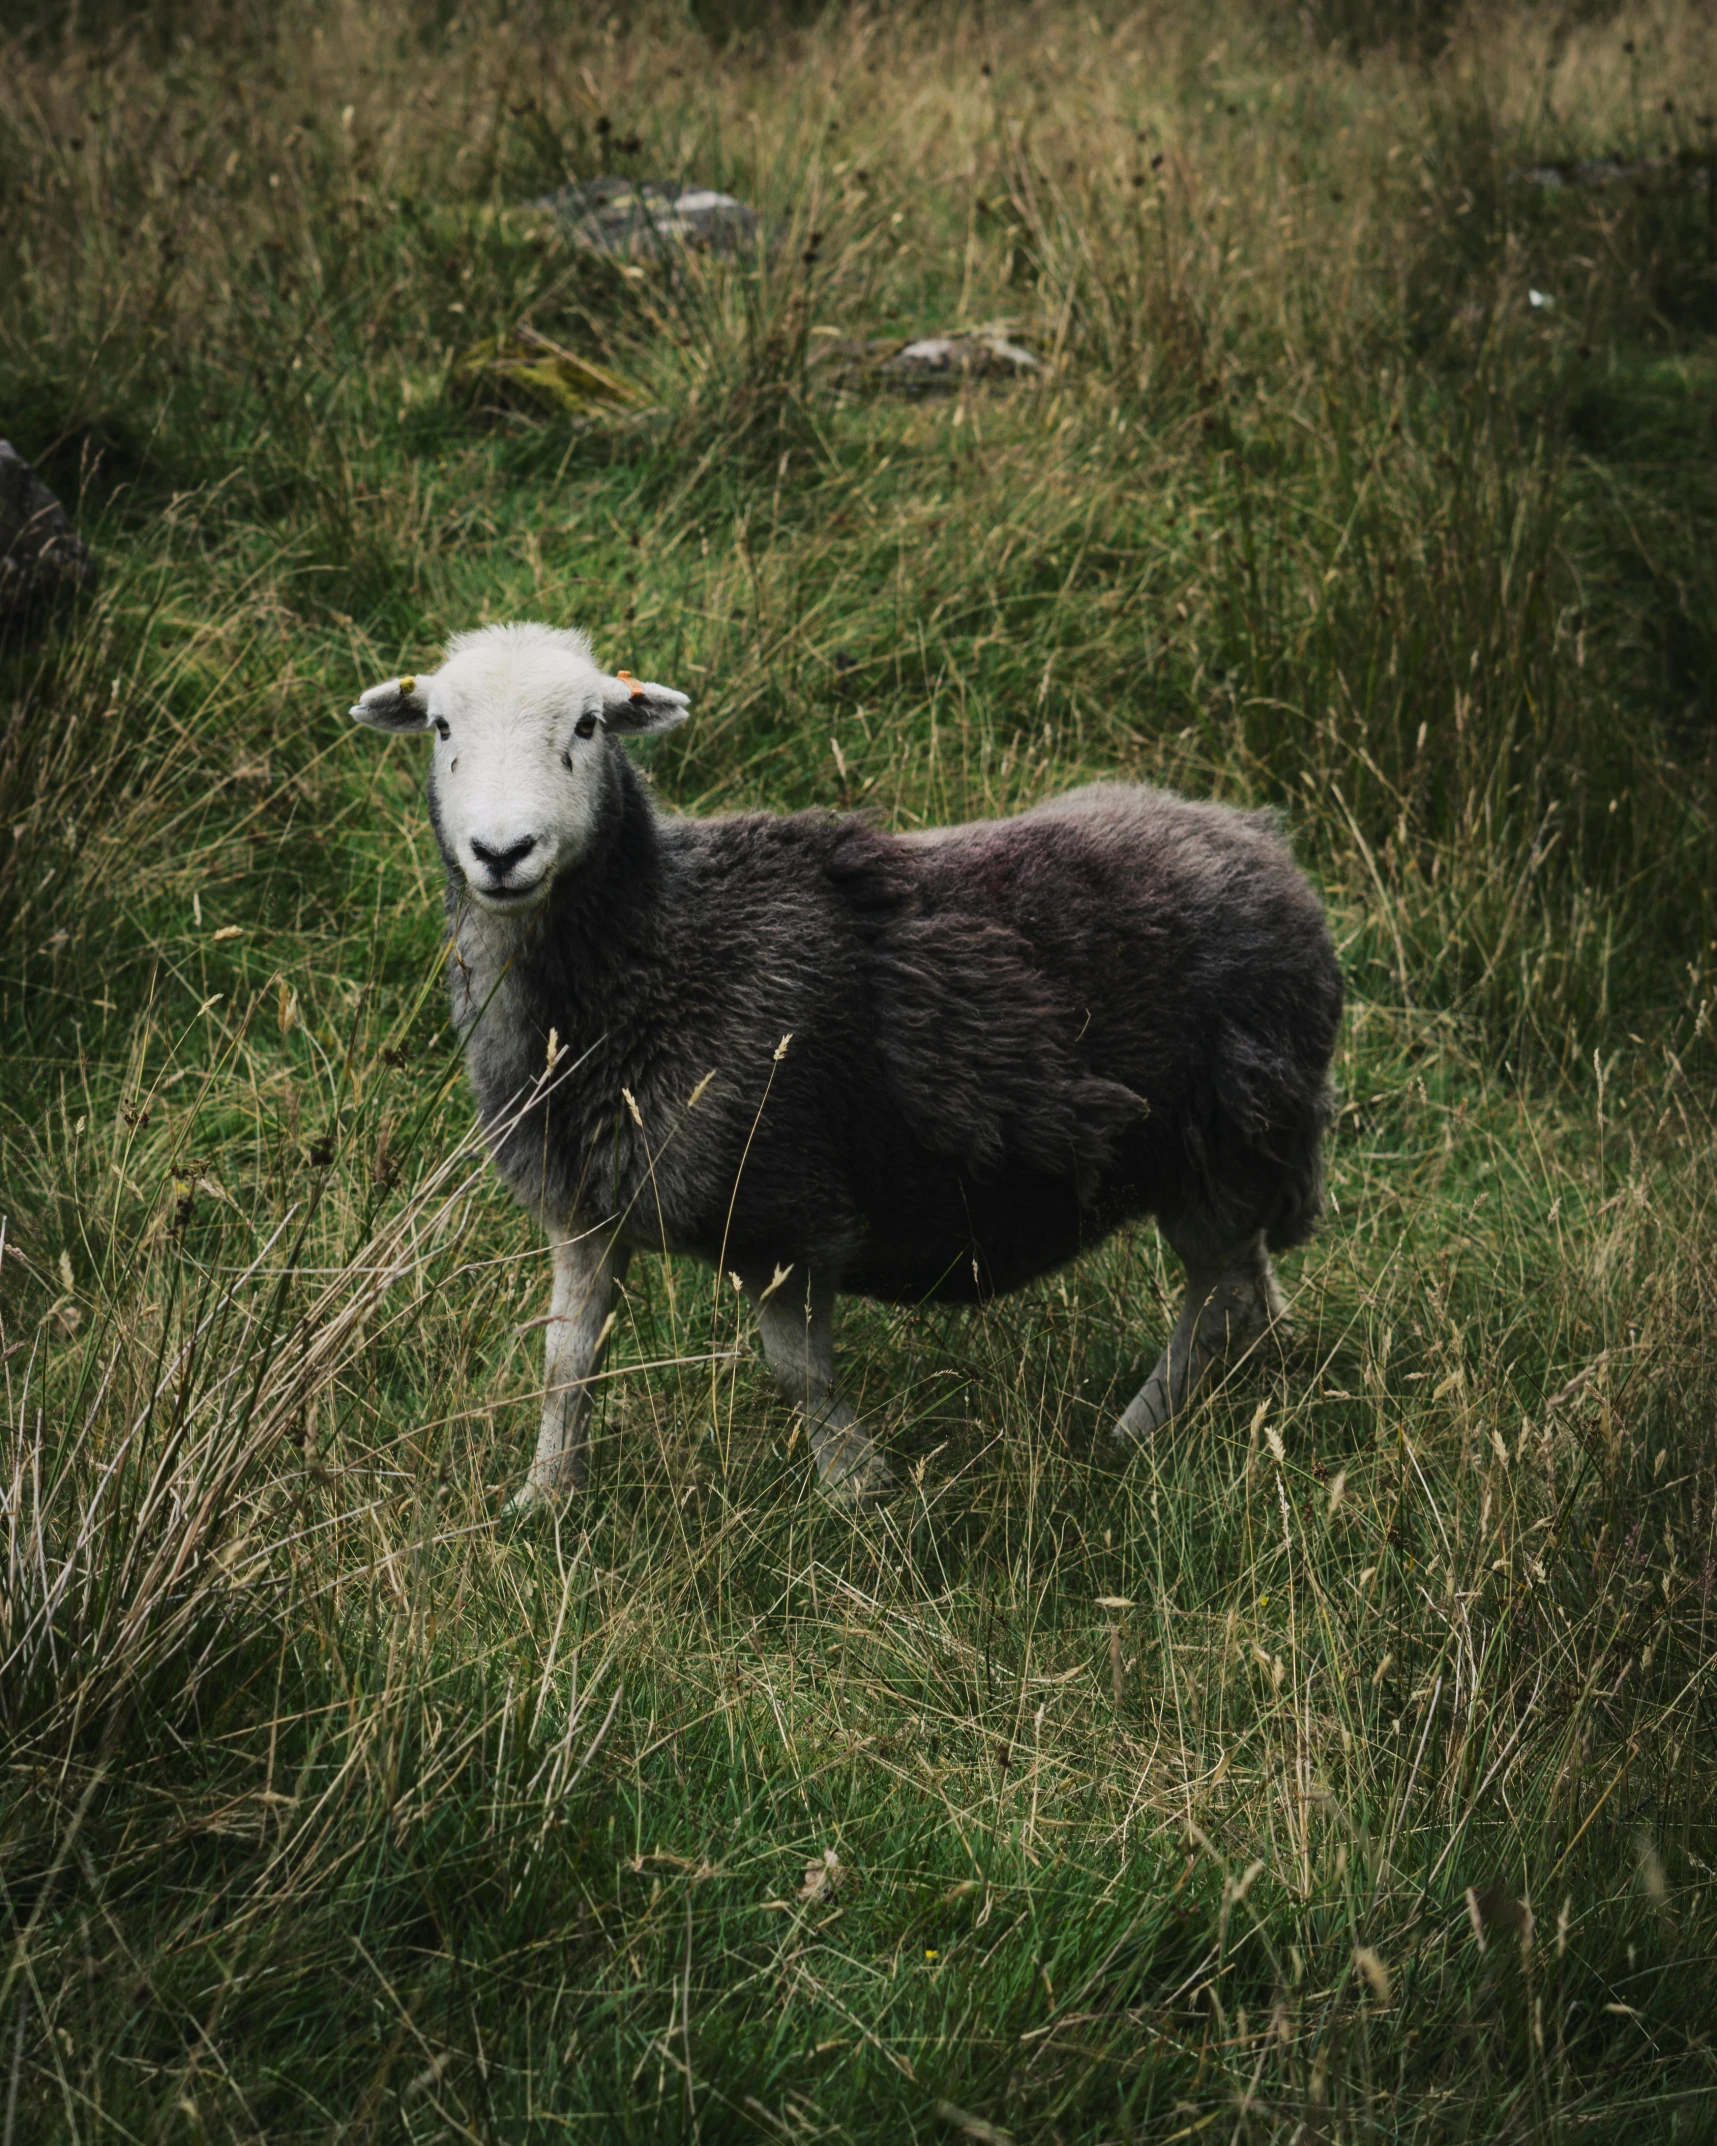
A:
{"x":797,"y":1324}
{"x":586,"y":1269}
{"x":1231,"y":1302}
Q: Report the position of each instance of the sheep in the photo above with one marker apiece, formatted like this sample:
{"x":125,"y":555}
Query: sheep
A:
{"x":824,"y":1058}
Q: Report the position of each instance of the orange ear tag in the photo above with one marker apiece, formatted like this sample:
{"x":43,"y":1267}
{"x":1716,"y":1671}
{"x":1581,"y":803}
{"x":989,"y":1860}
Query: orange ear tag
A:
{"x":631,"y":684}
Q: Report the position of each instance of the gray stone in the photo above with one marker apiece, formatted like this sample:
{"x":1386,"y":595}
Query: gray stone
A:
{"x":41,"y":555}
{"x":640,"y":219}
{"x":926,"y":365}
{"x":1597,"y":171}
{"x":981,"y":355}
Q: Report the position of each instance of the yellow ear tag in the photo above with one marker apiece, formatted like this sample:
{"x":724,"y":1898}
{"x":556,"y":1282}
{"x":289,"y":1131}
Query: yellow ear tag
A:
{"x":407,"y":687}
{"x":631,"y":684}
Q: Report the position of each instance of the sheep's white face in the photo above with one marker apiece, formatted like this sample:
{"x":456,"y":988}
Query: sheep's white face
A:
{"x":519,"y":718}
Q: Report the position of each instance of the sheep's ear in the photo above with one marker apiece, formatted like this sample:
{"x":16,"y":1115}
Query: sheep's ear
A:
{"x":399,"y":704}
{"x":633,"y":709}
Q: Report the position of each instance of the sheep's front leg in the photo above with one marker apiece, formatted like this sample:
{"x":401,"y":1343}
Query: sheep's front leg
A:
{"x":586,"y":1269}
{"x":1231,"y":1301}
{"x":797,"y":1324}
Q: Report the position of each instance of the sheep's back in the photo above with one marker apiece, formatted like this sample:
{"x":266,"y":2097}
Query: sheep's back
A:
{"x":1121,"y":990}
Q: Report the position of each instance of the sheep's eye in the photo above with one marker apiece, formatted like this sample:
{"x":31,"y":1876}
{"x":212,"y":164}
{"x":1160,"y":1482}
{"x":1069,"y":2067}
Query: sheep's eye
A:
{"x":585,"y":727}
{"x":441,"y":729}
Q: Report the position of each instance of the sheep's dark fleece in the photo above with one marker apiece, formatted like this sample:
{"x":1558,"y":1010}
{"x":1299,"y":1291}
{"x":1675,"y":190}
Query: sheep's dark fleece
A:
{"x":1007,"y":1037}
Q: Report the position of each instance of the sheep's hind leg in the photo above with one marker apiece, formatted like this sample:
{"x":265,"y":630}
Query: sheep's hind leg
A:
{"x":796,"y":1320}
{"x":586,"y":1269}
{"x":1232,"y":1301}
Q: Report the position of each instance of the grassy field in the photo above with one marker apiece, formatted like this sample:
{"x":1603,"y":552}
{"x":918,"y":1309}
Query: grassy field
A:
{"x":1340,"y":1769}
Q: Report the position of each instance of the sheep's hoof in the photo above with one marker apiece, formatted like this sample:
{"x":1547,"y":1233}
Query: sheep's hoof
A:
{"x":1155,"y":1404}
{"x":1144,"y":1415}
{"x":865,"y":1479}
{"x":534,"y":1495}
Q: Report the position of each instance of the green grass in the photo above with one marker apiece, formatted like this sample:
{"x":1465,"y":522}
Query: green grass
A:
{"x":1339,"y":1769}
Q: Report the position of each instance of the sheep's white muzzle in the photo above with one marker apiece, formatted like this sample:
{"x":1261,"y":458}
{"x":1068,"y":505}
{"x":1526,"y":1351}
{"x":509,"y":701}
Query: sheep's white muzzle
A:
{"x":502,"y":894}
{"x":506,"y":875}
{"x":508,"y":900}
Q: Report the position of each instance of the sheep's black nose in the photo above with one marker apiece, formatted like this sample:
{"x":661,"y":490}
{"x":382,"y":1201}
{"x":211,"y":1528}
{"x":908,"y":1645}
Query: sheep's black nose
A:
{"x":501,"y":861}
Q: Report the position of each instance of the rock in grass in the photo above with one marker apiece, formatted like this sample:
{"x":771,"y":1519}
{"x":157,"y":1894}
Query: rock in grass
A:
{"x":42,"y":557}
{"x":925,"y":364}
{"x":641,"y":219}
{"x":984,"y":354}
{"x":1601,"y":171}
